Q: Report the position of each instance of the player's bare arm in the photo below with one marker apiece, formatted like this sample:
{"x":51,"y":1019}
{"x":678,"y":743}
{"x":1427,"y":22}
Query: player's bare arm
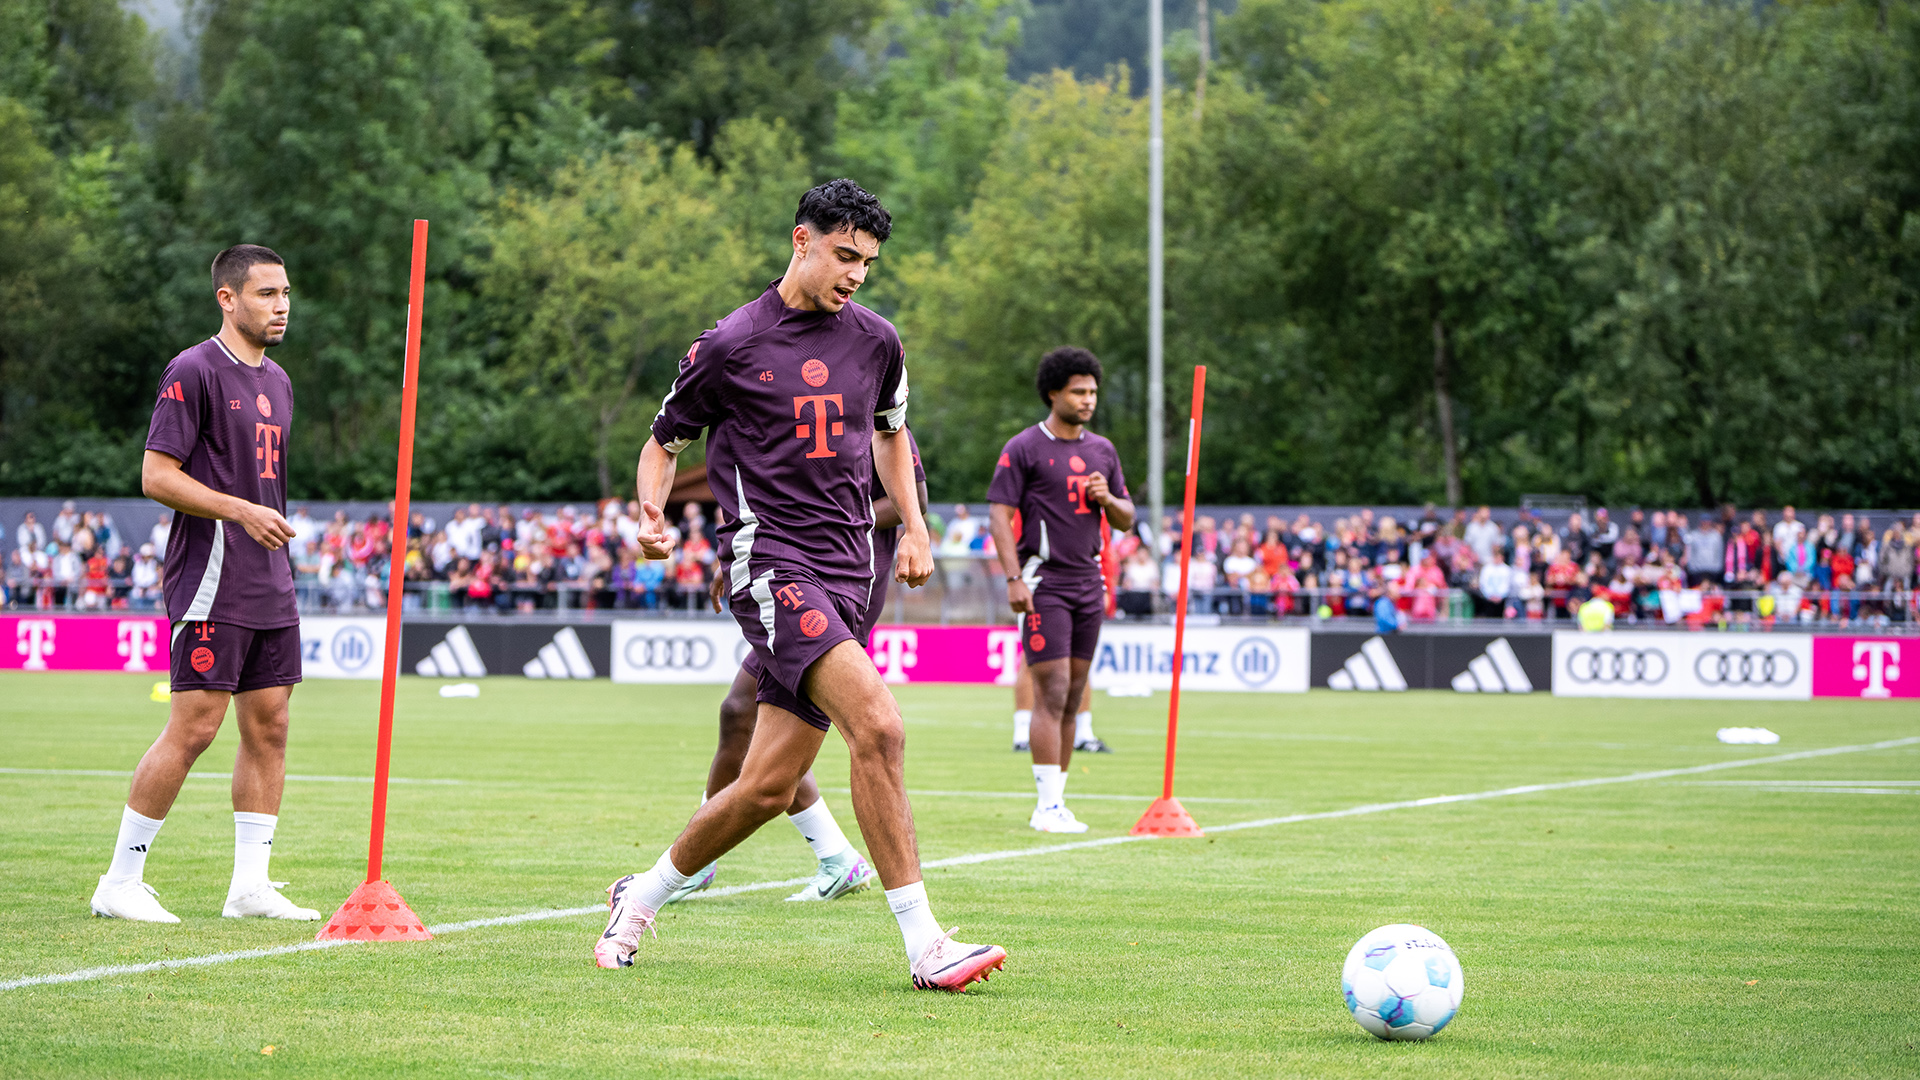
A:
{"x":893,"y":458}
{"x":1000,"y":524}
{"x":884,"y":514}
{"x":654,"y":480}
{"x":1119,"y":511}
{"x":163,"y":478}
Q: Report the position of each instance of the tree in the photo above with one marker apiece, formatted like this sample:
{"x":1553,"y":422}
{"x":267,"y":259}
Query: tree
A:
{"x":334,"y":126}
{"x":598,"y":288}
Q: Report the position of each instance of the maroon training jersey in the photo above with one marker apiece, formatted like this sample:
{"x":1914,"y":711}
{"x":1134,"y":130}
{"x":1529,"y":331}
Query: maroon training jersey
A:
{"x":1045,"y":478}
{"x":790,"y":400}
{"x":227,"y":423}
{"x":886,"y":543}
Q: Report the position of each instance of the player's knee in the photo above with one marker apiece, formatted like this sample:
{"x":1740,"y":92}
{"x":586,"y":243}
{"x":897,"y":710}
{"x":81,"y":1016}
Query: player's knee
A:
{"x":737,"y":721}
{"x":767,"y":797}
{"x":878,"y":737}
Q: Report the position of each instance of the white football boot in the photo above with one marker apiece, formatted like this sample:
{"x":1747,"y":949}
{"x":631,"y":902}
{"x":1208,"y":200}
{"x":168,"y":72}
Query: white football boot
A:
{"x":1056,"y":819}
{"x":950,"y":965}
{"x":133,"y":900}
{"x":264,"y":901}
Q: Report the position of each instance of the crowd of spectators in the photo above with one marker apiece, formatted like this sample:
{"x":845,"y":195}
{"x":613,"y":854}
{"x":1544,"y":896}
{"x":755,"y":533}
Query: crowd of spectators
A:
{"x":81,"y":561}
{"x":1662,"y":567}
{"x":1718,"y":568}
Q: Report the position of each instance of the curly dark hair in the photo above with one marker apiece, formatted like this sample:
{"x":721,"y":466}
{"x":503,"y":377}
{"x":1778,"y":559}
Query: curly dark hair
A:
{"x":836,"y":204}
{"x":1058,"y":368}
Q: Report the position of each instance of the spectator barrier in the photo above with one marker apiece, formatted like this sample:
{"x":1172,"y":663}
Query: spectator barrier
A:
{"x":1621,"y":664}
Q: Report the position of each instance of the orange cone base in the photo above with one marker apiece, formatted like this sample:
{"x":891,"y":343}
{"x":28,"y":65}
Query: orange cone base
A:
{"x":1166,"y":817}
{"x":374,"y":913}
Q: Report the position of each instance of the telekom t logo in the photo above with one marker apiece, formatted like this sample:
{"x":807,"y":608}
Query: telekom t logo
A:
{"x":266,"y":449}
{"x":137,"y":639}
{"x":1077,"y":493}
{"x":1876,"y":663}
{"x":1003,"y":655}
{"x":34,"y":640}
{"x":894,"y":651}
{"x":791,"y":596}
{"x":818,"y":429}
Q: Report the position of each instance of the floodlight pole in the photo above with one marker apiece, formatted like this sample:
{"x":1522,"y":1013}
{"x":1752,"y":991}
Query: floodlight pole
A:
{"x":1156,"y":280}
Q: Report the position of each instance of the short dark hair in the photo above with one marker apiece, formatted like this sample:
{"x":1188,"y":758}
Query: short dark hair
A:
{"x":836,"y":204}
{"x":1058,"y":368}
{"x":230,"y":266}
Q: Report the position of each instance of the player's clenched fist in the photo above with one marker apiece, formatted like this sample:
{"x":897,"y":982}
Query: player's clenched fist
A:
{"x":1097,"y":492}
{"x":915,"y":563}
{"x":1019,"y":597}
{"x":266,"y":526}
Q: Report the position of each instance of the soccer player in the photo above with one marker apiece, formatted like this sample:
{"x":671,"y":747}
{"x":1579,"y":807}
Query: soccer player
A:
{"x":1084,"y":740}
{"x":841,"y":870}
{"x":216,"y":454}
{"x":1063,"y":481}
{"x":803,"y":395}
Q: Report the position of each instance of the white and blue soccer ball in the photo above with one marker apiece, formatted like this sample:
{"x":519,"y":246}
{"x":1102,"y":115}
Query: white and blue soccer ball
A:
{"x":1402,"y":982}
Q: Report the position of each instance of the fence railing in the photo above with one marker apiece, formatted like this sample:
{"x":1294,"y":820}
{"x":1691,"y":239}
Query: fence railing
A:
{"x":973,"y":591}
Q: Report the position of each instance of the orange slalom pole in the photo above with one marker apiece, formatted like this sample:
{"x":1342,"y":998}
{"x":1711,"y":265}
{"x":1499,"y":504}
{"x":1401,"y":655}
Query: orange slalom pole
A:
{"x":1166,"y":817}
{"x":375,"y":911}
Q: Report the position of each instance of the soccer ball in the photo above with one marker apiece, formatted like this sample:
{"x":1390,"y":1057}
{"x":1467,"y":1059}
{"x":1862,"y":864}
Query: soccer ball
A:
{"x":1402,"y":982}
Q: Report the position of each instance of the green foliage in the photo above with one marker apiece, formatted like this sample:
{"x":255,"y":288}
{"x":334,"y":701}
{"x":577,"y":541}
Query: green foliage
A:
{"x":335,"y":126}
{"x":1644,"y":250}
{"x":596,"y":289}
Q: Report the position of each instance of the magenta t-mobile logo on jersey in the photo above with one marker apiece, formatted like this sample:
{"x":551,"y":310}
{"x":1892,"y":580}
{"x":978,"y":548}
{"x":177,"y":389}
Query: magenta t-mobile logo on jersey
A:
{"x":1869,"y":668}
{"x":822,"y":423}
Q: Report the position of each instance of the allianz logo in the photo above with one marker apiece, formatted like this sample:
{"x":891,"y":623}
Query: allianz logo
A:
{"x":1254,"y":661}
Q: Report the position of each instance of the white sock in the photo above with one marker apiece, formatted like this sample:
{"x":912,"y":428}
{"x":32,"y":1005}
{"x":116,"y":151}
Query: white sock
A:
{"x":1082,"y":727}
{"x":820,"y":831}
{"x":654,"y":886}
{"x":252,"y":847}
{"x":130,"y":851}
{"x":917,"y":928}
{"x":1044,"y":782}
{"x":1059,"y":788}
{"x":1022,"y":725}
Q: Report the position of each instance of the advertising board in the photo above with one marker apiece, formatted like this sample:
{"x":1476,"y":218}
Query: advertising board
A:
{"x":1248,"y":659}
{"x":342,"y":646}
{"x":83,"y":643}
{"x":1468,"y":663}
{"x":1870,"y":668}
{"x":1729,"y":667}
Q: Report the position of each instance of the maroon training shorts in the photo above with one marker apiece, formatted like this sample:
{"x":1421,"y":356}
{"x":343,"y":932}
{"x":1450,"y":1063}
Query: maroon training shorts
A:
{"x":1065,"y":621}
{"x":791,"y":620}
{"x":222,"y":656}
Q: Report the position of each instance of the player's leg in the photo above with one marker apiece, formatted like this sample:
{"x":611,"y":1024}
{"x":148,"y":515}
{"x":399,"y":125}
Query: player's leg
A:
{"x":848,"y":689}
{"x":781,"y":752}
{"x":1084,"y":740}
{"x":839,"y":869}
{"x":193,"y":719}
{"x":1052,"y":745}
{"x":259,"y":775}
{"x":1022,"y":708}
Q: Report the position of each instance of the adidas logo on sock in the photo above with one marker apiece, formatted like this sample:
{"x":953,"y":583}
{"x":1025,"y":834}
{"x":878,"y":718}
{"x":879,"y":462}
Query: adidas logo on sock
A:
{"x":453,"y":656}
{"x":138,"y":847}
{"x":1496,"y":671}
{"x":1372,"y":668}
{"x":562,"y":658}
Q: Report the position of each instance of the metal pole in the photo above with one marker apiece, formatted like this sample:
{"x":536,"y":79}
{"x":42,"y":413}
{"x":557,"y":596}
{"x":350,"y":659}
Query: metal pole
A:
{"x":1156,"y":281}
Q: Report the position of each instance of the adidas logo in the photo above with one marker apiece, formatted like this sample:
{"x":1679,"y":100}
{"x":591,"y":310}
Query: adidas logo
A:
{"x":454,"y":656}
{"x":1496,"y":671}
{"x":561,"y":658}
{"x":1372,"y":668}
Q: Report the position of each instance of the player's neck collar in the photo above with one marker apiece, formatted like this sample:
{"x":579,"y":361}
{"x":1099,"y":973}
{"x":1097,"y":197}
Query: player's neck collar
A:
{"x":1046,"y":428}
{"x":229,"y":354}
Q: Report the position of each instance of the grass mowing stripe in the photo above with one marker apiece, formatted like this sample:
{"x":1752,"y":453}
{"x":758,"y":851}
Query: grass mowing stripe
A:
{"x":88,"y":974}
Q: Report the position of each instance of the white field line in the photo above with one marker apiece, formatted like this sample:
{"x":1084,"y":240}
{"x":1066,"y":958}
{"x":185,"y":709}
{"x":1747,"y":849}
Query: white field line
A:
{"x":114,"y":971}
{"x":223,"y":776}
{"x":915,"y":793}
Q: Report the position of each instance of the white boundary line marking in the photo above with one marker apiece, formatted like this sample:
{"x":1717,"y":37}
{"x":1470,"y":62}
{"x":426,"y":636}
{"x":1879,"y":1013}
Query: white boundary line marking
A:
{"x":915,"y":793}
{"x":222,"y":776}
{"x":89,"y":974}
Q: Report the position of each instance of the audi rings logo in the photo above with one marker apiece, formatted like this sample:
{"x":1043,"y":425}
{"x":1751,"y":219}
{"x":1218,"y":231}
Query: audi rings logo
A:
{"x":1609,"y":665}
{"x":669,"y":653}
{"x":1746,"y":667}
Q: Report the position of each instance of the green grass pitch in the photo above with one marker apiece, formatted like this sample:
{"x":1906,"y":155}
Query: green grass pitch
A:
{"x":1677,"y":927}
